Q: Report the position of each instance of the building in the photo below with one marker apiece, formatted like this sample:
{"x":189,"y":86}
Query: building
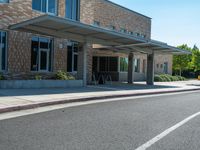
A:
{"x":88,"y":38}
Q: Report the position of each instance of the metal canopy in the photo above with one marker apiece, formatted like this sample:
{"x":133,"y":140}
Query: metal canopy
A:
{"x":75,"y":30}
{"x":148,"y":47}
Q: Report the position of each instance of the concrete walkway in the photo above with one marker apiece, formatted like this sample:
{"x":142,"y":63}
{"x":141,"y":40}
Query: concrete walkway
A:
{"x":18,"y":99}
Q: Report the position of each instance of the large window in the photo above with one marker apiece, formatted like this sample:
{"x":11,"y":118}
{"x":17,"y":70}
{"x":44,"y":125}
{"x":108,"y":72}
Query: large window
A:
{"x":41,"y":54}
{"x":108,"y":64}
{"x":72,"y":57}
{"x":4,"y":1}
{"x":46,"y":6}
{"x":3,"y":46}
{"x":123,"y":64}
{"x":137,"y":65}
{"x":72,"y":9}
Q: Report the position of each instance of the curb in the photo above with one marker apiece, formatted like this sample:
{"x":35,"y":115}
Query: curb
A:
{"x":36,"y":105}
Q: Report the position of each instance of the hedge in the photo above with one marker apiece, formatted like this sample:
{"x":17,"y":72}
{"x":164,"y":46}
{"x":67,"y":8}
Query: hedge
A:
{"x":168,"y":78}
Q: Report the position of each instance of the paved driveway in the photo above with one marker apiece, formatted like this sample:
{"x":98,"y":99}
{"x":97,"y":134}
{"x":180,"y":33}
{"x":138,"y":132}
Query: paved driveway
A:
{"x":119,"y":125}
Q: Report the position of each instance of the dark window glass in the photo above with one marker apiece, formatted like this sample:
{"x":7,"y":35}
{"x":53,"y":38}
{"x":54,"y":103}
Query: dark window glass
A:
{"x":43,"y":60}
{"x":44,"y":43}
{"x":75,"y":62}
{"x":72,"y":9}
{"x":69,"y":59}
{"x":3,"y":46}
{"x":52,"y":6}
{"x":113,"y":64}
{"x":34,"y":53}
{"x":41,"y":48}
{"x":4,"y":1}
{"x":46,"y":6}
{"x":103,"y":65}
{"x":36,"y":4}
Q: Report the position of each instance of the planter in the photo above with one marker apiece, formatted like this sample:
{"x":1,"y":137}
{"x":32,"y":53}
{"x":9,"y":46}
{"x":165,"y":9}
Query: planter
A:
{"x":35,"y":84}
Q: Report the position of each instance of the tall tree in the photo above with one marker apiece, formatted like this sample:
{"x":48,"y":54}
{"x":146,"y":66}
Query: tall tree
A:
{"x":182,"y":62}
{"x":196,"y":58}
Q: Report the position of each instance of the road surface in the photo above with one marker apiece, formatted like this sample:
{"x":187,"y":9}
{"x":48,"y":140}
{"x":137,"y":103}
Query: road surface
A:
{"x":118,"y":125}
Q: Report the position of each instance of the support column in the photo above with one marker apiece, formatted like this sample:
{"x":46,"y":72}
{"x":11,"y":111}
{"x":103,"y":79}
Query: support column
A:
{"x":150,"y":69}
{"x":82,"y":64}
{"x":130,"y":68}
{"x":85,"y":64}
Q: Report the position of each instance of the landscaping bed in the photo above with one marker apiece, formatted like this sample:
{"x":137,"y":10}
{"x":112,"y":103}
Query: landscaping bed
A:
{"x":168,"y":78}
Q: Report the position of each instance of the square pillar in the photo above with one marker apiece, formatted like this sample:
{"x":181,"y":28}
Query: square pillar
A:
{"x":82,"y":64}
{"x":130,"y":68}
{"x":150,"y":69}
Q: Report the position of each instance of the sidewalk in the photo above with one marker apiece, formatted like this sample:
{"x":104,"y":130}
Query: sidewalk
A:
{"x":19,"y":99}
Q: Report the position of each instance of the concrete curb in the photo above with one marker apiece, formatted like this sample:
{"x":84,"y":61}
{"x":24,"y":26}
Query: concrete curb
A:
{"x":43,"y":104}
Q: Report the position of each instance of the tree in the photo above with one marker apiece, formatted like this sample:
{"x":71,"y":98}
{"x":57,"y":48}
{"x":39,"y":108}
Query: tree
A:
{"x":195,"y":58}
{"x":182,"y":62}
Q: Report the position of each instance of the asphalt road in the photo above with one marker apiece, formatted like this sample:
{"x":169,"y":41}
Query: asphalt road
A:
{"x":119,"y":125}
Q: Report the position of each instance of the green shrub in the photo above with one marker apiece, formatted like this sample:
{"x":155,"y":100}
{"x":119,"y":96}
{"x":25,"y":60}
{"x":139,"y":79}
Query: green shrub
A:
{"x":158,"y":78}
{"x":2,"y":77}
{"x":62,"y":75}
{"x":38,"y":77}
{"x":168,"y":78}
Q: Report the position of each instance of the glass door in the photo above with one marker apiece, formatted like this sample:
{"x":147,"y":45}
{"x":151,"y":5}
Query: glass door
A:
{"x":44,"y":60}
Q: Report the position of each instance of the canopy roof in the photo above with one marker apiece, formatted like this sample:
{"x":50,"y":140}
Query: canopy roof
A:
{"x":75,"y":30}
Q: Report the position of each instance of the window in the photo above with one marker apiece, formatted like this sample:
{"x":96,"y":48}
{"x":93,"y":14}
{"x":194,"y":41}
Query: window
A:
{"x":123,"y":64}
{"x":72,"y":9}
{"x":108,"y":64}
{"x":4,"y":1}
{"x":123,"y":30}
{"x":72,"y":57}
{"x":41,"y":53}
{"x":137,"y":65}
{"x":46,"y":6}
{"x":96,"y":23}
{"x":112,"y":27}
{"x":3,"y":47}
{"x":166,"y":67}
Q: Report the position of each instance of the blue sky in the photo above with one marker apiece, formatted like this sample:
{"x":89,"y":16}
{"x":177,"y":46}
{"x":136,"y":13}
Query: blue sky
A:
{"x":173,"y":21}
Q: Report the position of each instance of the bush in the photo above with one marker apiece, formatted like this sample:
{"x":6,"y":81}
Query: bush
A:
{"x":62,"y":75}
{"x":2,"y":77}
{"x":168,"y":78}
{"x":38,"y":77}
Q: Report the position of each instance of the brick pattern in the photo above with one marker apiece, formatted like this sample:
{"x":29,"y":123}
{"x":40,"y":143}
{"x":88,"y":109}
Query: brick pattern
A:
{"x":19,"y":52}
{"x":19,"y":43}
{"x":110,"y":14}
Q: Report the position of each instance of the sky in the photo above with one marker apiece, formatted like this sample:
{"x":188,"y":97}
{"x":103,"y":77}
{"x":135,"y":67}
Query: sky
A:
{"x":175,"y":22}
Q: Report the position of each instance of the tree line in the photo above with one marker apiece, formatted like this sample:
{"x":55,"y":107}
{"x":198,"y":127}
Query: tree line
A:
{"x":187,"y":64}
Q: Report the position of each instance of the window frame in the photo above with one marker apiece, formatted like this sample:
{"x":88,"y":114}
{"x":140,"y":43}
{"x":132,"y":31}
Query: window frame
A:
{"x":49,"y":54}
{"x":77,"y":17}
{"x":47,"y":8}
{"x":6,"y":51}
{"x":73,"y":54}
